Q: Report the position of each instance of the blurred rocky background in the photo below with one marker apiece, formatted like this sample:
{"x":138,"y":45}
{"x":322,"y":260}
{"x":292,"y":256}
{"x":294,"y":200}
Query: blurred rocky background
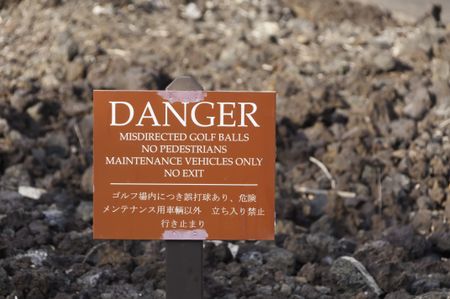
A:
{"x":363,"y":126}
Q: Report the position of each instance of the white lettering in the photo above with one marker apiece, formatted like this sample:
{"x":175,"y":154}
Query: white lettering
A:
{"x":222,"y":114}
{"x":194,"y":115}
{"x":113,"y":113}
{"x":248,"y":114}
{"x":151,"y":116}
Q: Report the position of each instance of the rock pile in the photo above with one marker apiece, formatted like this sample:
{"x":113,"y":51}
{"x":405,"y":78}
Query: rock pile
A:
{"x":363,"y":137}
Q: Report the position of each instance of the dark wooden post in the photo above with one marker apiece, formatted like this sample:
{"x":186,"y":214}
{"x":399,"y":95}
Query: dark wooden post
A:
{"x":184,"y":258}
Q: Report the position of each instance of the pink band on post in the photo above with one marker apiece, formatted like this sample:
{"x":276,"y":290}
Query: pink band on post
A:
{"x":183,"y":96}
{"x":196,"y":234}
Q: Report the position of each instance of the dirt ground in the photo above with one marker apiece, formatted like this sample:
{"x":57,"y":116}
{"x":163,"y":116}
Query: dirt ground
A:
{"x":363,"y":126}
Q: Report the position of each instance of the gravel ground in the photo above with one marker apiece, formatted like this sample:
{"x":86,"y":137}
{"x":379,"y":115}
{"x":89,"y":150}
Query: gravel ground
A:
{"x":411,"y":10}
{"x":363,"y":126}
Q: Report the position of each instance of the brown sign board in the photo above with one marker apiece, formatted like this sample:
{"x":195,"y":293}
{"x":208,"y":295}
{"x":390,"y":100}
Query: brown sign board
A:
{"x":177,"y":165}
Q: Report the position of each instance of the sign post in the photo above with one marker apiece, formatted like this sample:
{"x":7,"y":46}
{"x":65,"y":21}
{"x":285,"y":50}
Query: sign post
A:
{"x":184,"y":165}
{"x":184,"y":258}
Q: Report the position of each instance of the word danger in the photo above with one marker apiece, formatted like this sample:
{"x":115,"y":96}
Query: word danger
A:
{"x":201,"y":114}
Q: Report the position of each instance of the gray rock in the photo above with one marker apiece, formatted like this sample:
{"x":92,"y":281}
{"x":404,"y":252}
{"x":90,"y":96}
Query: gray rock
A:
{"x":252,"y":258}
{"x":121,"y":291}
{"x":35,"y":111}
{"x":15,"y":176}
{"x":37,"y":257}
{"x":441,"y":241}
{"x":264,"y":290}
{"x":425,"y":284}
{"x":72,"y":50}
{"x":417,"y":102}
{"x":424,"y":203}
{"x":262,"y":31}
{"x":343,"y":247}
{"x":434,"y":295}
{"x":422,"y":221}
{"x":318,"y":205}
{"x":441,"y":90}
{"x":336,"y":66}
{"x":91,"y":278}
{"x":402,"y":294}
{"x":404,"y":236}
{"x":73,"y":108}
{"x":280,"y":259}
{"x":440,"y":69}
{"x":285,"y":289}
{"x":20,"y":99}
{"x":57,"y":144}
{"x":31,"y":192}
{"x":107,"y":9}
{"x":384,"y":61}
{"x":192,"y":11}
{"x":84,"y":210}
{"x":117,"y":74}
{"x":403,"y":129}
{"x":4,"y":127}
{"x":86,"y":128}
{"x":351,"y":275}
{"x":86,"y":181}
{"x":399,"y":182}
{"x":229,"y":55}
{"x":320,"y":241}
{"x":304,"y":252}
{"x":159,"y":294}
{"x":54,"y":216}
{"x":323,"y":290}
{"x":436,"y":193}
{"x":75,"y":70}
{"x":310,"y":291}
{"x":50,"y":81}
{"x":4,"y":278}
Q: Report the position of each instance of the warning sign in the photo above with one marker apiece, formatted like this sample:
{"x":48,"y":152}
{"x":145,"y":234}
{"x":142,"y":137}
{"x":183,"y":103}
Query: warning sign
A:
{"x":184,"y":165}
